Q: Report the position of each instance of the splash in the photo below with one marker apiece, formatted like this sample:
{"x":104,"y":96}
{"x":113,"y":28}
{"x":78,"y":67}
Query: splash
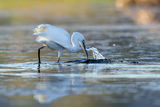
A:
{"x":96,"y":53}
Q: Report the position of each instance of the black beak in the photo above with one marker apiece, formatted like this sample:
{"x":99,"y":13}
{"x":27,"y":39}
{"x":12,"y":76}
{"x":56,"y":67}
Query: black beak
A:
{"x":84,"y":48}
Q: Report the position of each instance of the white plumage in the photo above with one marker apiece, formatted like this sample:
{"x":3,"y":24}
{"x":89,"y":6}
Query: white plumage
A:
{"x":58,"y":39}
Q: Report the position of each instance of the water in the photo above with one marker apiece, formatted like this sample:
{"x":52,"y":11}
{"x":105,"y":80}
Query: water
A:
{"x":79,"y":84}
{"x":58,"y":84}
{"x":96,"y":54}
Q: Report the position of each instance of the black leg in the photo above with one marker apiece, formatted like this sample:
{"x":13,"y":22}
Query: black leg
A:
{"x":39,"y":59}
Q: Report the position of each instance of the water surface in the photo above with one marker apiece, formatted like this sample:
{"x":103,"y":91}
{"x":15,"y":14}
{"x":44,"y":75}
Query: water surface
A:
{"x":82,"y":85}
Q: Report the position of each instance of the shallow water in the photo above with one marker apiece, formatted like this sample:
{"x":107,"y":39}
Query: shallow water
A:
{"x":88,"y":85}
{"x":82,"y":85}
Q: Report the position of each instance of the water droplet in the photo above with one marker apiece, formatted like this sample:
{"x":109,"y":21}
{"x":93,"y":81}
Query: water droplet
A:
{"x":96,"y":53}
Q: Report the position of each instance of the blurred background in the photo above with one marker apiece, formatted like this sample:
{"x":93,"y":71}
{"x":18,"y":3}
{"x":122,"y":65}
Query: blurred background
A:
{"x":26,"y":12}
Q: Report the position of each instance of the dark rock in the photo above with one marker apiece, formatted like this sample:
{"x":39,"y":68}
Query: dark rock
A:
{"x":90,"y":61}
{"x":101,"y":61}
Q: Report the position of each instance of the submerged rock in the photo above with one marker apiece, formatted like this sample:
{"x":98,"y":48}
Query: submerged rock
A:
{"x":101,"y":61}
{"x":90,"y":61}
{"x":98,"y":58}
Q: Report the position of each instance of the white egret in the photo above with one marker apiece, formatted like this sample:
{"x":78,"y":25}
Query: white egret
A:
{"x":58,"y":39}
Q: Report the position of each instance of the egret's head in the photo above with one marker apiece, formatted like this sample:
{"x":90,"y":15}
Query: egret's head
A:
{"x":81,"y":40}
{"x":41,"y":30}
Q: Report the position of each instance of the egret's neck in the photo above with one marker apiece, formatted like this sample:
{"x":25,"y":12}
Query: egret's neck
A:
{"x":74,"y":44}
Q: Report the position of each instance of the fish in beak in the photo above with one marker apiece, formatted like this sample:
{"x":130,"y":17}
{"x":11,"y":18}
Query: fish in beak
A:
{"x":82,"y":44}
